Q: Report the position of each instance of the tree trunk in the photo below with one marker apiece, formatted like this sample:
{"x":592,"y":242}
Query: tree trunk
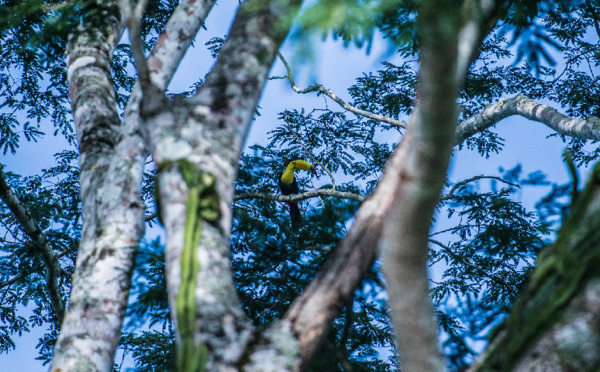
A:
{"x":113,"y":212}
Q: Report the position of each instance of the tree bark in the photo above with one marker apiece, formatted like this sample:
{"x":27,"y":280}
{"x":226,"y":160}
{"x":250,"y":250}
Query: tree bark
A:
{"x":112,"y":207}
{"x":422,"y":157}
{"x":588,"y":128}
{"x":112,"y":159}
{"x":207,"y":131}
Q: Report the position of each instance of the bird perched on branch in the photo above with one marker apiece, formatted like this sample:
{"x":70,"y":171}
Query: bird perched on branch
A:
{"x":288,"y":185}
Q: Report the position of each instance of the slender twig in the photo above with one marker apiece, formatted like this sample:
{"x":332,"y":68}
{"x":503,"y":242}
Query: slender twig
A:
{"x":455,"y":228}
{"x":450,"y":194}
{"x":321,"y":89}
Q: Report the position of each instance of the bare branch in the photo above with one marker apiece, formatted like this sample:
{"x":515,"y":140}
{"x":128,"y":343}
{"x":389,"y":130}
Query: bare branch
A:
{"x":450,"y":194}
{"x":321,"y":89}
{"x":41,"y":243}
{"x":520,"y":105}
{"x":299,"y":197}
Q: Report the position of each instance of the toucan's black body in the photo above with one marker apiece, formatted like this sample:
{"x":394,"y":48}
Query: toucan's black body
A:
{"x":288,"y":186}
{"x":289,"y":189}
{"x":295,"y":215}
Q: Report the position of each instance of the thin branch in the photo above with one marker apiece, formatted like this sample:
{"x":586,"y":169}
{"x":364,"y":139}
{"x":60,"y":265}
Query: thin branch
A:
{"x":12,"y":281}
{"x":41,"y":243}
{"x":298,"y":197}
{"x":321,"y":89}
{"x":455,"y":228}
{"x":450,"y":194}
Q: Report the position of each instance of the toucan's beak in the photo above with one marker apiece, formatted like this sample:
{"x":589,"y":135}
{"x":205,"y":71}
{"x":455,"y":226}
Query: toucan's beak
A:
{"x":313,"y":170}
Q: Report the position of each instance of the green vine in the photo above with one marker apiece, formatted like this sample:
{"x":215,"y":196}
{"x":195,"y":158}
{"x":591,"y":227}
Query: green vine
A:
{"x":202,"y":204}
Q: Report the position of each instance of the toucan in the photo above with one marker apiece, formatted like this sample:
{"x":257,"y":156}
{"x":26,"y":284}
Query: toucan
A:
{"x":288,"y":185}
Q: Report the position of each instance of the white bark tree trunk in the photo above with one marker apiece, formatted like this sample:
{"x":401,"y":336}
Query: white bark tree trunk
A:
{"x":112,"y":208}
{"x":208,"y":131}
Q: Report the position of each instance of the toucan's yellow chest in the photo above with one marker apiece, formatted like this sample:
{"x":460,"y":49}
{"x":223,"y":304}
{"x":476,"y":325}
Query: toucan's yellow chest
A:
{"x":288,"y":175}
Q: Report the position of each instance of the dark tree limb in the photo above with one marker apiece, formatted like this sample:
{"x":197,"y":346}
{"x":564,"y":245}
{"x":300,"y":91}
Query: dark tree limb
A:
{"x":41,"y":243}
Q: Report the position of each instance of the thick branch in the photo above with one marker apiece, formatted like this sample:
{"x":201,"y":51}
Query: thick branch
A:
{"x":420,"y":164}
{"x":153,"y":96}
{"x":298,"y":197}
{"x":41,"y":243}
{"x":312,"y":314}
{"x":520,"y":105}
{"x":167,"y":53}
{"x":111,"y":200}
{"x":206,"y":133}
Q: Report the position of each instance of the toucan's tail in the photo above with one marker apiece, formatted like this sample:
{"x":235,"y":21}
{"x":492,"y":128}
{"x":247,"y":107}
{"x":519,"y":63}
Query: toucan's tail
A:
{"x":295,"y":215}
